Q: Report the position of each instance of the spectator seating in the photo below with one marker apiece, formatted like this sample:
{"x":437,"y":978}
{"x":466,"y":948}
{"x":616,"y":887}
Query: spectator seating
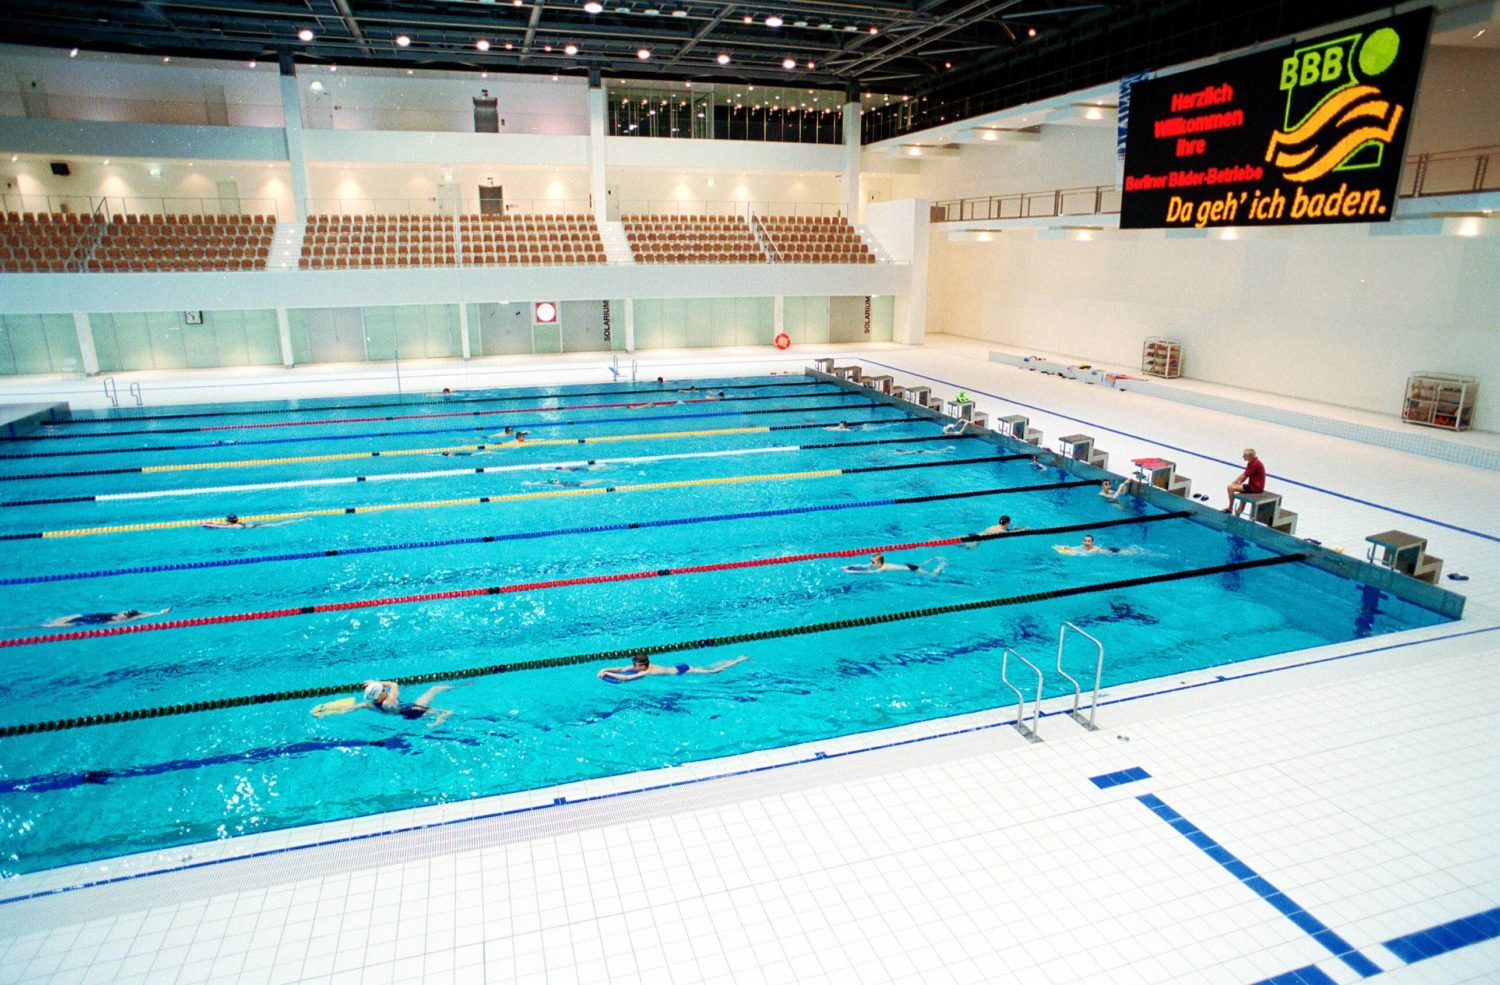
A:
{"x":341,"y":242}
{"x":530,"y":239}
{"x":47,"y":241}
{"x":137,"y":243}
{"x":817,"y":239}
{"x":692,"y":239}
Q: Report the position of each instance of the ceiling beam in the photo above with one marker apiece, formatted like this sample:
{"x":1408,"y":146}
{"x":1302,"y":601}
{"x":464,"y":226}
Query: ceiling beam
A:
{"x":536,"y":18}
{"x":702,"y":33}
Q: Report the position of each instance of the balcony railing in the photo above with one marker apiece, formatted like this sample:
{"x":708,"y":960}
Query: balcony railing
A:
{"x":112,"y":205}
{"x":1457,"y":172}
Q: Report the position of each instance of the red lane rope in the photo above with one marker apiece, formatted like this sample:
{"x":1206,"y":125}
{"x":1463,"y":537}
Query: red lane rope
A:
{"x":455,"y":413}
{"x":461,"y":593}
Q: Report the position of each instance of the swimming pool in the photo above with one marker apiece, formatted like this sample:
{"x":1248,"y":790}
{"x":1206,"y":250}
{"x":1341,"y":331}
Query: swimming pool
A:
{"x":679,"y":532}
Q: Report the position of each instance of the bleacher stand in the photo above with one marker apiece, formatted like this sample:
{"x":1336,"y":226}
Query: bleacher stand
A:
{"x":692,"y":239}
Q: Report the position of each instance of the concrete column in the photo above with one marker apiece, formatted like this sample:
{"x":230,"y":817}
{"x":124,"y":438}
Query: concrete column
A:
{"x":291,"y":111}
{"x":463,"y":330}
{"x":284,"y":333}
{"x":778,"y":315}
{"x":86,"y":351}
{"x":598,"y":190}
{"x":852,"y":151}
{"x":629,"y":325}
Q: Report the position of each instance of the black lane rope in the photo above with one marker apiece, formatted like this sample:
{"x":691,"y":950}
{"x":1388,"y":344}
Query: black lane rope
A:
{"x":443,"y":401}
{"x":535,"y":534}
{"x":545,"y":443}
{"x":421,"y":417}
{"x":545,"y":466}
{"x":519,"y":426}
{"x":657,"y":649}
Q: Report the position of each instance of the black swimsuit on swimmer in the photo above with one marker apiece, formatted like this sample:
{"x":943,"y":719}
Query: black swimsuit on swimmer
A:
{"x":92,"y":619}
{"x":410,"y":710}
{"x":913,"y":567}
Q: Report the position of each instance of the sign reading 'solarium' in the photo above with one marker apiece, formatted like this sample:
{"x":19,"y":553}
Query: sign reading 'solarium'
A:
{"x":1311,"y":131}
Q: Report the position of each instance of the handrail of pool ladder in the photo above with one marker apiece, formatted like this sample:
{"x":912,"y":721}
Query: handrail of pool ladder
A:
{"x":1036,"y":714}
{"x":1062,"y":634}
{"x":135,"y":391}
{"x":111,"y":392}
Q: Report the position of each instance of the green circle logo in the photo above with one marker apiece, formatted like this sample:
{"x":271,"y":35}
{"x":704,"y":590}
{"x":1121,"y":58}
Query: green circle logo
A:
{"x":1378,"y":53}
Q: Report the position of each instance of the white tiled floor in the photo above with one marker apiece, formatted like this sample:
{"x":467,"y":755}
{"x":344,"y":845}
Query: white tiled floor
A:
{"x":1367,"y":789}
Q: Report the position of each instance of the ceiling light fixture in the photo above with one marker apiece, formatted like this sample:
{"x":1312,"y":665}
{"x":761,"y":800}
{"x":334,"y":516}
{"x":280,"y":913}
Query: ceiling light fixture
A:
{"x":651,"y":12}
{"x":722,"y":59}
{"x":874,"y":30}
{"x":643,"y":53}
{"x":679,"y":12}
{"x":825,"y":27}
{"x":73,"y":53}
{"x":799,"y":23}
{"x":789,"y":63}
{"x":747,"y":19}
{"x":252,"y":63}
{"x":1031,"y":32}
{"x":571,"y":49}
{"x":593,"y":7}
{"x":812,"y":64}
{"x":509,"y":46}
{"x":402,"y":41}
{"x":774,"y":21}
{"x":305,"y":35}
{"x":482,"y":44}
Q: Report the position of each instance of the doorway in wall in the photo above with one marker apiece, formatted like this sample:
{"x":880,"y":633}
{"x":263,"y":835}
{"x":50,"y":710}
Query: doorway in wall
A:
{"x":486,"y":113}
{"x":491,"y":200}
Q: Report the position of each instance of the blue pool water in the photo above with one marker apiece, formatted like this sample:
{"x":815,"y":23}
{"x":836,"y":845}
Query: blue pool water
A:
{"x":90,"y":793}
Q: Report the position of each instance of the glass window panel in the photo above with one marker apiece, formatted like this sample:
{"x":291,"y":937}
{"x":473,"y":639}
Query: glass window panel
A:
{"x":164,"y":329}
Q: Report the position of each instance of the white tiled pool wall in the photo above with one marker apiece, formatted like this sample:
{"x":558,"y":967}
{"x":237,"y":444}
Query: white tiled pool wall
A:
{"x":1358,"y":787}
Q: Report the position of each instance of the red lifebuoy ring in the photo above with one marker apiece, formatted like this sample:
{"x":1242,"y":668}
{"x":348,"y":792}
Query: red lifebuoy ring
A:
{"x":783,"y":341}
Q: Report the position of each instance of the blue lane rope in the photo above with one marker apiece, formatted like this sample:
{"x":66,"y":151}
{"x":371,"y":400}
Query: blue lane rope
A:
{"x":534,"y":534}
{"x":518,"y":426}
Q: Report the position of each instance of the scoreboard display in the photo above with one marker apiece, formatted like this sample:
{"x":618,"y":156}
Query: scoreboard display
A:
{"x":1308,"y":132}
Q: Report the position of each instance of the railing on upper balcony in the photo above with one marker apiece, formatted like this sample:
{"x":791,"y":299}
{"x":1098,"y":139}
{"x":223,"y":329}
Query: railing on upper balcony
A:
{"x":672,"y":206}
{"x":113,"y":205}
{"x":1457,"y":172}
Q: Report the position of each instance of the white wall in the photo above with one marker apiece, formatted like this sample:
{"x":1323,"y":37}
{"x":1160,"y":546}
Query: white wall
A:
{"x":1339,"y":314}
{"x":377,"y":188}
{"x":1458,"y":103}
{"x":1064,"y":157}
{"x":137,"y":89}
{"x":660,"y":189}
{"x":389,"y":99}
{"x":30,"y":186}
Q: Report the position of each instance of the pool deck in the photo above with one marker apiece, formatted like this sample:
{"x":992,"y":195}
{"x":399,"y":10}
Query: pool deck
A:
{"x":1332,"y":812}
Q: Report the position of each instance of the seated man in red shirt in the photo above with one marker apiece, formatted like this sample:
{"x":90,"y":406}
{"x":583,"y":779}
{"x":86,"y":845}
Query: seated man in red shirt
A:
{"x":1252,"y":480}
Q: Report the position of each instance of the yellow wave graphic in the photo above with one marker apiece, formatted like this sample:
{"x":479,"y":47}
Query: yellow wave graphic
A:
{"x":1293,"y":149}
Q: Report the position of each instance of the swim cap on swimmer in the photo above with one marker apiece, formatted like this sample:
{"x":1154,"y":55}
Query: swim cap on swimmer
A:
{"x":373,"y":690}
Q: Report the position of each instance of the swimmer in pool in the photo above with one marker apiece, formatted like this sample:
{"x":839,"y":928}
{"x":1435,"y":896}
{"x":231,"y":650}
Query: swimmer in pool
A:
{"x":385,"y":697}
{"x":925,"y":451}
{"x":1002,"y":526}
{"x":102,"y":618}
{"x":844,"y":426}
{"x":960,"y":426}
{"x":233,"y":522}
{"x":879,"y":565}
{"x":1113,"y":495}
{"x":641,"y":666}
{"x":1087,"y":547}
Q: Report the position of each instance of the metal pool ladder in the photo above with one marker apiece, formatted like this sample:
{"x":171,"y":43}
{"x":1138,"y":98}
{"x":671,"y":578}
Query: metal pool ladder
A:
{"x":1062,"y":636}
{"x":1036,"y":714}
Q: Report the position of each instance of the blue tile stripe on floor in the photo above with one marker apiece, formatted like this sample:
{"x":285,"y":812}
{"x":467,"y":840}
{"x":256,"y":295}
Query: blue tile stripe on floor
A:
{"x":1446,"y":937}
{"x":1311,"y":975}
{"x":1283,"y":903}
{"x":1106,"y":780}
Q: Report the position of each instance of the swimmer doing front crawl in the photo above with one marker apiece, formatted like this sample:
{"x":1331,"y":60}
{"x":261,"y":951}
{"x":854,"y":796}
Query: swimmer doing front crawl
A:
{"x":641,"y":666}
{"x":879,"y":565}
{"x":385,"y":697}
{"x":101,"y":618}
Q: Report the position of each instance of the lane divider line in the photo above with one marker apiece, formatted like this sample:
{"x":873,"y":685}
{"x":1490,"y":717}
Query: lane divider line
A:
{"x":579,"y":463}
{"x":418,"y":417}
{"x":505,"y":498}
{"x":519,"y":426}
{"x":535,"y":534}
{"x":436,"y":399}
{"x":784,"y":632}
{"x":537,"y":586}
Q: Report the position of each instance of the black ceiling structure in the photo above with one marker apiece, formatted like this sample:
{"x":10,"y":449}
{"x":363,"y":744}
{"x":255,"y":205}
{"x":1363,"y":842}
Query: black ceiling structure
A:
{"x":950,"y":58}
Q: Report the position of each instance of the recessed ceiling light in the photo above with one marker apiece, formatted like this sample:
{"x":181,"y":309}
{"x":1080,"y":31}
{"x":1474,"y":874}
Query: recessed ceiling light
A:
{"x":812,"y":64}
{"x":14,"y":157}
{"x":252,"y":63}
{"x":508,"y":46}
{"x":722,"y":58}
{"x":333,"y":68}
{"x":482,"y":44}
{"x":402,"y":40}
{"x":409,"y":72}
{"x":547,"y":49}
{"x":593,"y":7}
{"x":571,"y":49}
{"x":825,"y":27}
{"x":747,"y":19}
{"x":789,"y":63}
{"x":774,"y":21}
{"x":850,"y":28}
{"x":643,"y":53}
{"x":799,"y":23}
{"x":1031,"y":32}
{"x":874,"y":30}
{"x":316,"y":86}
{"x":106,"y":160}
{"x":679,"y":12}
{"x":651,"y":12}
{"x":73,"y":53}
{"x":305,"y":35}
{"x":554,"y":76}
{"x":165,"y":59}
